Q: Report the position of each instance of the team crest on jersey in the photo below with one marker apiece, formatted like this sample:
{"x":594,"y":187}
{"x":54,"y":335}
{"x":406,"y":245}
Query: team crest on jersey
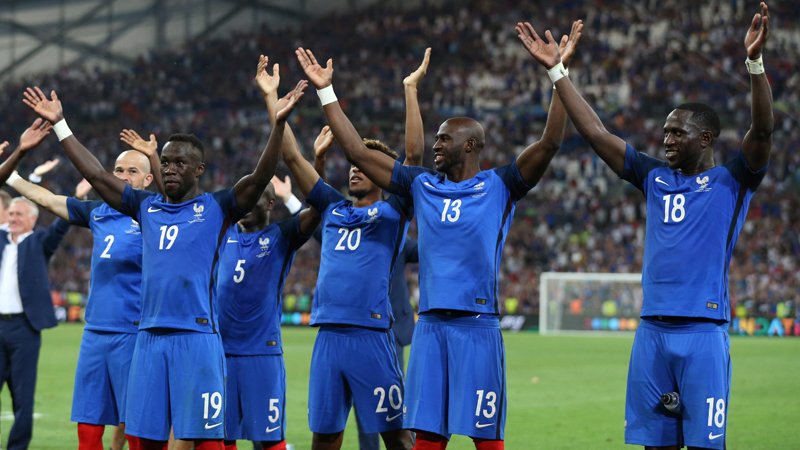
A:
{"x":264,"y":243}
{"x":479,"y":188}
{"x":373,"y":214}
{"x":134,"y":229}
{"x":198,"y":213}
{"x":703,"y":183}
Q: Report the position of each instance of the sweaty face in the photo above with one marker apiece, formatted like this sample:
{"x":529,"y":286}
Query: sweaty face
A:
{"x":20,"y":219}
{"x":359,"y":185}
{"x":682,"y":140}
{"x":133,"y":168}
{"x":181,"y":166}
{"x":448,"y":147}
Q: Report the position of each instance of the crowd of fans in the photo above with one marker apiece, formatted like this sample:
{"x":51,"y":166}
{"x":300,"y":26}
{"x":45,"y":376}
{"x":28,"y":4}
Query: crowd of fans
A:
{"x":636,"y":61}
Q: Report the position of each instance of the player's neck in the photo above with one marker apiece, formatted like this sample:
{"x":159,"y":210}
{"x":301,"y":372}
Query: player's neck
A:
{"x":372,"y":197}
{"x":701,"y":165}
{"x":190,"y":194}
{"x":464,"y":171}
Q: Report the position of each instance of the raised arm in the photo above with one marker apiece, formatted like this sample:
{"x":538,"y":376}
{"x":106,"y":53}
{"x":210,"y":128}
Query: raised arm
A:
{"x":322,"y":144}
{"x":30,"y":138}
{"x":415,"y":132}
{"x":757,"y":143}
{"x":301,"y":169}
{"x":149,"y":149}
{"x":609,"y":147}
{"x":533,"y":161}
{"x":250,"y":187}
{"x":107,"y":185}
{"x":56,"y":204}
{"x":376,"y":165}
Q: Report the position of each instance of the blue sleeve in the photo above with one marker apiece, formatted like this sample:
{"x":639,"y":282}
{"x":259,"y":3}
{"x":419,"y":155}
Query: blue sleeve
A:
{"x":411,"y":251}
{"x":132,"y":201}
{"x":318,"y":234}
{"x":742,"y":172}
{"x":513,"y":180}
{"x":290,"y":228}
{"x":402,"y":177}
{"x":403,"y":205}
{"x":226,"y":199}
{"x":80,"y":212}
{"x":53,"y":236}
{"x":323,"y":195}
{"x":637,"y":166}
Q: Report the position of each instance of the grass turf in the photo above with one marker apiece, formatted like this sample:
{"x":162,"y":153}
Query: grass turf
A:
{"x":563,"y":392}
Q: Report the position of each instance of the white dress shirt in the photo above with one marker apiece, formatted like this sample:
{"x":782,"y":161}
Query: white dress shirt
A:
{"x":10,"y":300}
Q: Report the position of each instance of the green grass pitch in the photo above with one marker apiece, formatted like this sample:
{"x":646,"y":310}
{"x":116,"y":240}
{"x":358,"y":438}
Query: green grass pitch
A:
{"x":563,"y":392}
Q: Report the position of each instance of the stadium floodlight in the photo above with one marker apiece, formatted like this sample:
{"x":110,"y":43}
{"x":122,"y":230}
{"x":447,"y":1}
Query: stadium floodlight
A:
{"x":571,"y":302}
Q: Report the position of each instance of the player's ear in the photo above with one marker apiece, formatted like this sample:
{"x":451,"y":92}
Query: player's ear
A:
{"x":470,"y":145}
{"x":201,"y":169}
{"x":706,"y":138}
{"x":148,"y":179}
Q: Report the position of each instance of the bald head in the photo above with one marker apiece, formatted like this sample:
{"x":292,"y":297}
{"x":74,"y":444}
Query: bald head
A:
{"x":133,"y":168}
{"x":468,"y":128}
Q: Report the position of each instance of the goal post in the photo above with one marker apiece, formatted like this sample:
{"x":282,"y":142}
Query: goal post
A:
{"x":572,"y":302}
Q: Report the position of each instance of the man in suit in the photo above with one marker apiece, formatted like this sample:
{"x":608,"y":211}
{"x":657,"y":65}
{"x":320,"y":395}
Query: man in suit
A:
{"x":25,"y":304}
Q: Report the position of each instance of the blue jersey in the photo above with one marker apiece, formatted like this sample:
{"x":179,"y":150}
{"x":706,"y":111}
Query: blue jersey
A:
{"x":462,"y":228}
{"x":179,"y":255}
{"x":115,"y":287}
{"x":359,"y":246}
{"x":693,"y":222}
{"x":252,"y":270}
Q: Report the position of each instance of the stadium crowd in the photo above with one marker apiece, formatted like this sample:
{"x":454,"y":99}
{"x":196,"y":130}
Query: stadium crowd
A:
{"x":634,"y":65}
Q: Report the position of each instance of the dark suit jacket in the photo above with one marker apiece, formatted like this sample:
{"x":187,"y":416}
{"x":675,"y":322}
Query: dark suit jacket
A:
{"x":32,"y":257}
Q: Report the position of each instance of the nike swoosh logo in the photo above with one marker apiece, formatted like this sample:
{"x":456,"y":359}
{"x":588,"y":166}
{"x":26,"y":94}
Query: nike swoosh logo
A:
{"x":270,"y":429}
{"x":336,"y":213}
{"x":99,"y":218}
{"x":483,"y":425}
{"x":208,"y":427}
{"x":659,"y":180}
{"x":151,"y":209}
{"x":391,"y":418}
{"x":712,"y":436}
{"x":232,"y":241}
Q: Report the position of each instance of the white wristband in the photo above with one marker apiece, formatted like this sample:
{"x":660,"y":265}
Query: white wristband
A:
{"x":62,"y":130}
{"x":326,"y":95}
{"x":293,"y":204}
{"x":13,"y":177}
{"x":35,"y":179}
{"x":755,"y":66}
{"x":557,"y":72}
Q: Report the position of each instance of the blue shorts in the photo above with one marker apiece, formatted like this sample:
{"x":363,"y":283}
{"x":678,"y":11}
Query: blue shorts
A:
{"x":256,"y":401}
{"x":101,"y":378}
{"x":355,"y":366}
{"x":177,"y":378}
{"x":692,"y":359}
{"x":456,"y":381}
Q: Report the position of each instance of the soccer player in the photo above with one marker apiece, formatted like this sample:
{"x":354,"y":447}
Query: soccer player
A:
{"x":456,"y":371}
{"x":178,"y":366}
{"x":695,"y":210}
{"x":113,"y":310}
{"x":353,"y":362}
{"x":255,"y":259}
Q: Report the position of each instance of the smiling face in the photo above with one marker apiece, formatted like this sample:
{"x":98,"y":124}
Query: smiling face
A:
{"x":181,"y":166}
{"x":685,"y":143}
{"x":457,"y":140}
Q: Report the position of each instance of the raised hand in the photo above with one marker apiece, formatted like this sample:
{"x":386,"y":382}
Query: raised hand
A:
{"x":569,"y":43}
{"x":266,"y":82}
{"x":132,"y":138}
{"x":323,"y":142}
{"x":50,"y":109}
{"x":414,"y":77}
{"x":546,"y":52}
{"x":292,"y":98}
{"x":46,"y":167}
{"x":35,"y":133}
{"x":283,"y":189}
{"x":319,"y":76}
{"x":758,"y":33}
{"x":82,"y":189}
{"x":283,"y":101}
{"x":3,"y":146}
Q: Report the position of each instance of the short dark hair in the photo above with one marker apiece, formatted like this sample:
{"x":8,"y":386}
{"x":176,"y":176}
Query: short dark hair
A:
{"x":5,"y":199}
{"x":374,"y":144}
{"x":703,"y":116}
{"x":190,"y":139}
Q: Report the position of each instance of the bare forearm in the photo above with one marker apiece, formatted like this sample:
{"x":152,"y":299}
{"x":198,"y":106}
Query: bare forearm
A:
{"x":415,"y":135}
{"x":319,"y":166}
{"x":108,"y":186}
{"x":155,"y":169}
{"x":10,"y":165}
{"x":56,"y":204}
{"x":758,"y":140}
{"x":249,"y":188}
{"x":533,"y":161}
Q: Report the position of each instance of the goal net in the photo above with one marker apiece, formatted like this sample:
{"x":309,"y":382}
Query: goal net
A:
{"x":589,"y":302}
